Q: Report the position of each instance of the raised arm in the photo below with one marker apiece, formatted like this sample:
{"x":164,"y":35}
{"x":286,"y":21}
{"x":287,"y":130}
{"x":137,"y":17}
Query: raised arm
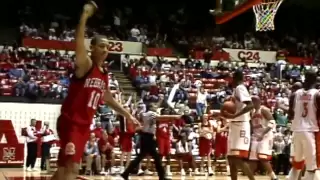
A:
{"x":83,"y":62}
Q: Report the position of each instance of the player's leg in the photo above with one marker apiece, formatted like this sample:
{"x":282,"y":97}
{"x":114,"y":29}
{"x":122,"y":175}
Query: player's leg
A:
{"x":126,"y":148}
{"x":242,"y":147}
{"x":165,"y":152}
{"x":264,"y":151}
{"x":298,"y":159}
{"x":311,"y":158}
{"x":232,"y":165}
{"x":253,"y":156}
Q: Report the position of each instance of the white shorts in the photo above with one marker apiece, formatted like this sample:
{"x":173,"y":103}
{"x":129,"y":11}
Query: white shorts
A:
{"x":239,"y":139}
{"x":305,"y":147}
{"x":262,"y":150}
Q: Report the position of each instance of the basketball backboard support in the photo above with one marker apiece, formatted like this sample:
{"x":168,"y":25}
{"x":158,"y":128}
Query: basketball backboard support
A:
{"x":239,"y":8}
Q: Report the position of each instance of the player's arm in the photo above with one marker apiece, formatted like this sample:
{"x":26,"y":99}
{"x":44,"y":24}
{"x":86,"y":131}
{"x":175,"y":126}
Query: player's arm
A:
{"x":82,"y":61}
{"x":245,"y":98}
{"x":110,"y":101}
{"x":268,"y":116}
{"x":291,"y":107}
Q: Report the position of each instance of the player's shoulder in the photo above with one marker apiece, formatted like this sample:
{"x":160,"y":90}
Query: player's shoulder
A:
{"x":241,"y":88}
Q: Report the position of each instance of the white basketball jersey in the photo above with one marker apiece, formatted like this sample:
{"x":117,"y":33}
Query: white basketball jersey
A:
{"x":305,"y":111}
{"x":241,"y":95}
{"x":258,"y":123}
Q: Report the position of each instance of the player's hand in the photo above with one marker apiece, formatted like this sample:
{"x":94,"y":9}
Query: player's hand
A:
{"x":259,"y":138}
{"x":227,"y":115}
{"x":89,"y":9}
{"x":134,"y":121}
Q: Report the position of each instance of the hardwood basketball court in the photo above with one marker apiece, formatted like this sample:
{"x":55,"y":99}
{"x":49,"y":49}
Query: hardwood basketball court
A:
{"x":20,"y":174}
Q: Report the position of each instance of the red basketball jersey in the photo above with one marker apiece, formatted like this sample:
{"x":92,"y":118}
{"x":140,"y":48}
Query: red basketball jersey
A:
{"x":163,"y":129}
{"x":84,"y":95}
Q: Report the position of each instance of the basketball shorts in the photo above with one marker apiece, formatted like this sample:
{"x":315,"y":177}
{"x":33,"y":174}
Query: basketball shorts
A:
{"x":126,"y":142}
{"x":164,"y":145}
{"x":205,"y":146}
{"x":239,"y":139}
{"x":262,"y":150}
{"x":69,"y":132}
{"x":306,"y":150}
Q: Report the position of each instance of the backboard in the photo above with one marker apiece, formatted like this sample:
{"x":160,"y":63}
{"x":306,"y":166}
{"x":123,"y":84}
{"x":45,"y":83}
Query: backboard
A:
{"x":232,"y":8}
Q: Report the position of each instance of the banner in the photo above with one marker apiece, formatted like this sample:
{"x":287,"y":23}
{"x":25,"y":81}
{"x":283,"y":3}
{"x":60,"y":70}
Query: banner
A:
{"x":299,"y":60}
{"x":251,"y":55}
{"x":166,"y":52}
{"x":118,"y":47}
{"x":16,"y":116}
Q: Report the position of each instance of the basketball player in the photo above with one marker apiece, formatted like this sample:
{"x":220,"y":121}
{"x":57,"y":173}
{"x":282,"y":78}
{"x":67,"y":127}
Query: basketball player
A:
{"x":262,"y":123}
{"x":221,"y":142}
{"x":125,"y":140}
{"x":163,"y":134}
{"x":88,"y":85}
{"x":148,"y":141}
{"x":205,"y":143}
{"x":239,"y":128}
{"x":303,"y":105}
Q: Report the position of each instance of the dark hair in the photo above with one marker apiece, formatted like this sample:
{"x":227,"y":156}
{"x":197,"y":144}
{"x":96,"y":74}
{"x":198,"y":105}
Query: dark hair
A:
{"x":310,"y":78}
{"x":238,"y":75}
{"x":97,"y":39}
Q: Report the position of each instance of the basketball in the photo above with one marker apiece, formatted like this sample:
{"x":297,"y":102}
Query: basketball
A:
{"x":229,"y":106}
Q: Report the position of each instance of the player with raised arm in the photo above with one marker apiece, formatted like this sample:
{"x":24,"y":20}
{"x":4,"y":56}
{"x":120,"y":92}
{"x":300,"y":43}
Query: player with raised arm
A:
{"x":87,"y":86}
{"x":262,"y":124}
{"x":239,"y":128}
{"x":303,"y":112}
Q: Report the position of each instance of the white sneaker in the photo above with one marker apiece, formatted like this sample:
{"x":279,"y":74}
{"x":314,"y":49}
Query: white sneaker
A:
{"x":140,"y":172}
{"x":121,"y":169}
{"x":103,"y":172}
{"x":196,"y":172}
{"x":112,"y":170}
{"x":147,"y":172}
{"x":29,"y":169}
{"x":210,"y":172}
{"x":182,"y":173}
{"x":168,"y":172}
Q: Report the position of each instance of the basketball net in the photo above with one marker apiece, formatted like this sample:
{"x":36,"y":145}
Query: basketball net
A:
{"x":265,"y":13}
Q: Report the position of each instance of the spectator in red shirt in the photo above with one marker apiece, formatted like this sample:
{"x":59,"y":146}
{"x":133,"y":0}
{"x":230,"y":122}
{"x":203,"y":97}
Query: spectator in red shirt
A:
{"x":106,"y":144}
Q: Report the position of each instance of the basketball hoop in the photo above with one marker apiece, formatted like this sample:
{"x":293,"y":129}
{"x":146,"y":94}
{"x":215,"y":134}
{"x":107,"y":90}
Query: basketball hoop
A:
{"x":265,"y":13}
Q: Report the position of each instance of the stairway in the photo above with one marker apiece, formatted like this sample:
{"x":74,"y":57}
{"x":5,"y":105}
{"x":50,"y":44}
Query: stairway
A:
{"x":125,"y":84}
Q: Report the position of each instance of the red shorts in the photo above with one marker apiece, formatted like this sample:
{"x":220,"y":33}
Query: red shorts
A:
{"x":205,"y":146}
{"x":125,"y":142}
{"x":164,"y":146}
{"x":221,"y":147}
{"x":185,"y":157}
{"x":69,"y":132}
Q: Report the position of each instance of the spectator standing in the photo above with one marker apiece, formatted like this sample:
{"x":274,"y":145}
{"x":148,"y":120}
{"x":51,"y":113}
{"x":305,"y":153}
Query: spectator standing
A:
{"x":135,"y":32}
{"x":47,"y":139}
{"x":32,"y":145}
{"x":201,"y":102}
{"x":207,"y":58}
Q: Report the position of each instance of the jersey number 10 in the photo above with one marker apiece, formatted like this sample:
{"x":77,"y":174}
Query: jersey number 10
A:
{"x":94,"y":99}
